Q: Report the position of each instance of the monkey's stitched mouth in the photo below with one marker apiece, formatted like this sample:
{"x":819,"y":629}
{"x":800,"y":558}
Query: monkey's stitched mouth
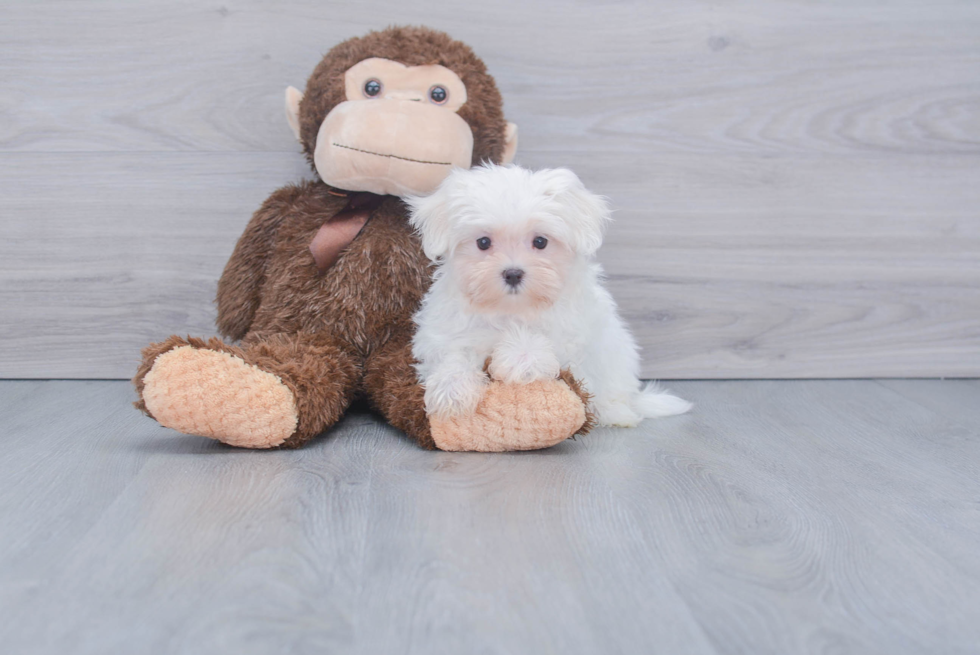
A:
{"x":379,"y":154}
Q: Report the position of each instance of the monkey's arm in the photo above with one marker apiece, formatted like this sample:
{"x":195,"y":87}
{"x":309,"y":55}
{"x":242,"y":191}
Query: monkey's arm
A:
{"x":239,"y":289}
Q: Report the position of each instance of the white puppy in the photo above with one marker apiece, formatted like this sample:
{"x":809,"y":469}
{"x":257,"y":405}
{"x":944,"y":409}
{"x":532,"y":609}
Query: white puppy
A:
{"x":517,"y":283}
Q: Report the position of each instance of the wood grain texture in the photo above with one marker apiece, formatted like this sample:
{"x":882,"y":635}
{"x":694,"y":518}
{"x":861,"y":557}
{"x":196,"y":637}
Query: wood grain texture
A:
{"x":779,"y":517}
{"x":795,"y":183}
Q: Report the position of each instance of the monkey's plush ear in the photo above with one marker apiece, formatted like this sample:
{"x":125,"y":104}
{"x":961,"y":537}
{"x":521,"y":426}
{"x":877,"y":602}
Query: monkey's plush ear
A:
{"x":585,"y":213}
{"x":510,"y":143}
{"x":293,"y":96}
{"x":431,"y":216}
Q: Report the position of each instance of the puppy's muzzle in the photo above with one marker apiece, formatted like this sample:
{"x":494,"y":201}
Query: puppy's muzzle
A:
{"x":513,"y":277}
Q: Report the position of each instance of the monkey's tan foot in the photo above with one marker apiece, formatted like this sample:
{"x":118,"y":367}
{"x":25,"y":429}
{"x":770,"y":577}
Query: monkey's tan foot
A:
{"x":216,"y":394}
{"x":514,"y":417}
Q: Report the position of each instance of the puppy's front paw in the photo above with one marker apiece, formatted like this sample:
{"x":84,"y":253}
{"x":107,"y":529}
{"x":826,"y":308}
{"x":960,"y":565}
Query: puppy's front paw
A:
{"x":522,"y":358}
{"x":451,"y":393}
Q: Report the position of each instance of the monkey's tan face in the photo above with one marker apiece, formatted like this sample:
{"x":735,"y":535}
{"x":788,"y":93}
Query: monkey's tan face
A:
{"x":397,"y":132}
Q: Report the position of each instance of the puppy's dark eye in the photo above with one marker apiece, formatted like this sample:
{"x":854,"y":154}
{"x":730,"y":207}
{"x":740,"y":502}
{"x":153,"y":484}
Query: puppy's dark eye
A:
{"x":372,"y":88}
{"x":483,"y":243}
{"x":438,"y":94}
{"x":540,"y":243}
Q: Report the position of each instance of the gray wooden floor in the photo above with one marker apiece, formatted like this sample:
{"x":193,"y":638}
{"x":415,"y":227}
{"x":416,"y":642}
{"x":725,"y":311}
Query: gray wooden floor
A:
{"x":778,"y":517}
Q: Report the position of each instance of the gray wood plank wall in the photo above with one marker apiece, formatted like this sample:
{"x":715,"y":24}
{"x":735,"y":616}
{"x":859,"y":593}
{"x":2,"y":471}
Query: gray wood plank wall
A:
{"x":797,"y":184}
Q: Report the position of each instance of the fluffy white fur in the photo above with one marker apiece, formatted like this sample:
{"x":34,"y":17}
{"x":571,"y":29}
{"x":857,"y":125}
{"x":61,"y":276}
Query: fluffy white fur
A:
{"x":557,"y":316}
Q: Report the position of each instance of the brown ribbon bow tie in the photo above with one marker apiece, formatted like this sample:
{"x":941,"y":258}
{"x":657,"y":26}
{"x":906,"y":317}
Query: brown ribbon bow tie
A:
{"x":338,"y":232}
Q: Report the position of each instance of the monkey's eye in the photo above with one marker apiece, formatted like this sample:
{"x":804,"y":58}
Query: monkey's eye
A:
{"x":372,"y":88}
{"x":540,"y":243}
{"x":438,"y":94}
{"x":483,"y":243}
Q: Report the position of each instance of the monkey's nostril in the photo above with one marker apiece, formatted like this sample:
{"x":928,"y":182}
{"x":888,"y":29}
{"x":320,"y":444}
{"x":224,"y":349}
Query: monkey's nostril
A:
{"x":513,"y":276}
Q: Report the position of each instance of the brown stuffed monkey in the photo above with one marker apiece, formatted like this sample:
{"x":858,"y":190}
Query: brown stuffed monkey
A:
{"x":321,"y":288}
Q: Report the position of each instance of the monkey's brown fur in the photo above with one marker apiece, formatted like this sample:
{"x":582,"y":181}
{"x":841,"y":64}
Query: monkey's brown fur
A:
{"x":345,"y":333}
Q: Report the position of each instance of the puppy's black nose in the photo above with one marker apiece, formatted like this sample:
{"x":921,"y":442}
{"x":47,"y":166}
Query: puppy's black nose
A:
{"x":513,"y":276}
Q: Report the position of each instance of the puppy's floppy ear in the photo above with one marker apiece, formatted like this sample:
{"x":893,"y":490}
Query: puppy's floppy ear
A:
{"x":431,"y":216}
{"x":585,"y":213}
